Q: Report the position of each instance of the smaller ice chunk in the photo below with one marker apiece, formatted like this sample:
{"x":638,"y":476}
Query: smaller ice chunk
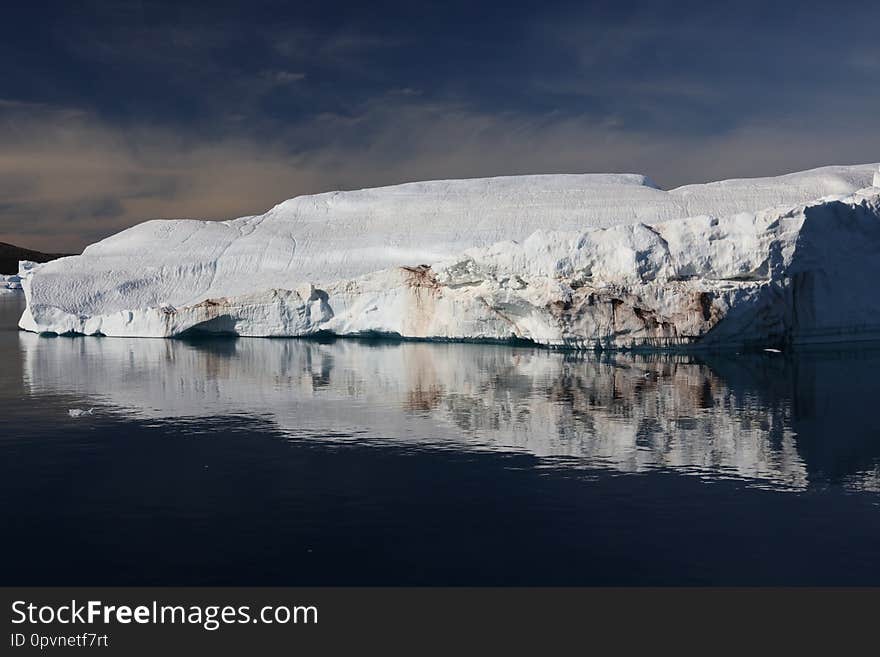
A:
{"x":10,"y":282}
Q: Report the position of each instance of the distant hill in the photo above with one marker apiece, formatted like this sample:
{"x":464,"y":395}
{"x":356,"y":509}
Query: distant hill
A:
{"x":11,"y":254}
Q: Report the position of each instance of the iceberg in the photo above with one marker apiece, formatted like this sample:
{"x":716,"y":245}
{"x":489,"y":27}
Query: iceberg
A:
{"x":9,"y":282}
{"x":585,"y":261}
{"x":14,"y":281}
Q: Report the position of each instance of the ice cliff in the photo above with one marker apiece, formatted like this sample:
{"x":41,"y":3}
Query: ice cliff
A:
{"x":589,"y":261}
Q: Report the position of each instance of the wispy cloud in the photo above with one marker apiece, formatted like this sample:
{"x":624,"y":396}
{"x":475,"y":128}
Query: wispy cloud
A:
{"x":67,"y":183}
{"x":120,"y":112}
{"x":284,"y":77}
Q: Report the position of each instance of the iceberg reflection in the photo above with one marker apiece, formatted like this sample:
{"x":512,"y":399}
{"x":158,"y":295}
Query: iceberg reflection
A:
{"x":764,"y":417}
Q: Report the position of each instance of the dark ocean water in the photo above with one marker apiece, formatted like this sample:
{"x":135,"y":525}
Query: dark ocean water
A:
{"x":290,"y":462}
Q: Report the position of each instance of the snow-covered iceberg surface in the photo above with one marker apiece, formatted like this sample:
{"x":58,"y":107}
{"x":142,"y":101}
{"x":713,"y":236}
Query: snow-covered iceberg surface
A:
{"x":577,"y":260}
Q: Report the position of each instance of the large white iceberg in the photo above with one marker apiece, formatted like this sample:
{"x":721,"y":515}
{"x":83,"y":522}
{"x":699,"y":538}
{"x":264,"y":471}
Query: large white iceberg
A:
{"x":590,"y":261}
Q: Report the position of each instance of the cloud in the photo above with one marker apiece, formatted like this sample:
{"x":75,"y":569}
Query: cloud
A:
{"x":284,"y":77}
{"x":68,"y":177}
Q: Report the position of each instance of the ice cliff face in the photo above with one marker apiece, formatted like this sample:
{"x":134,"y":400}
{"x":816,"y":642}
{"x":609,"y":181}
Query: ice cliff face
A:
{"x":589,"y":261}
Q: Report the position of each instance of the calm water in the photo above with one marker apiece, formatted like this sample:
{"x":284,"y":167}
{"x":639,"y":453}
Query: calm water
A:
{"x":292,"y":462}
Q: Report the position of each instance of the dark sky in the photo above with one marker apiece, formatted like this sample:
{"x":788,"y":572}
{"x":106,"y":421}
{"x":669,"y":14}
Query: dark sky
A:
{"x":116,"y":112}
